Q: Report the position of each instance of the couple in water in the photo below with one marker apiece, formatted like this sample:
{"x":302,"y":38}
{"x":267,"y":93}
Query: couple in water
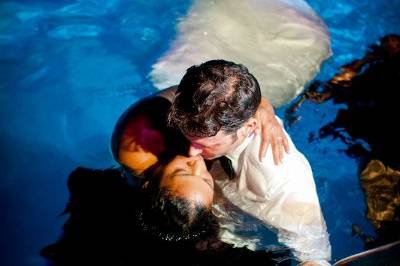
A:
{"x":197,"y":154}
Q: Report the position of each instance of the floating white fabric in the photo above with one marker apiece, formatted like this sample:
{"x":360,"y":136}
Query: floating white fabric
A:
{"x":281,"y":42}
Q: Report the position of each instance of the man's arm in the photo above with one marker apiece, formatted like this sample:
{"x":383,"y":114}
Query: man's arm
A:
{"x":301,"y":227}
{"x":295,"y":210}
{"x":289,"y":203}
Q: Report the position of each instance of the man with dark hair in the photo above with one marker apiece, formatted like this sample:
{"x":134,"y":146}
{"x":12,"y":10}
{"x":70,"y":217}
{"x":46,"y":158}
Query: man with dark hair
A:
{"x":214,"y":96}
{"x":214,"y":107}
{"x":216,"y":99}
{"x":179,"y":193}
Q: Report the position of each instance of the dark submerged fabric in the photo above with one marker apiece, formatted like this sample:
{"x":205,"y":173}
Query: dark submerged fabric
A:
{"x":101,"y":230}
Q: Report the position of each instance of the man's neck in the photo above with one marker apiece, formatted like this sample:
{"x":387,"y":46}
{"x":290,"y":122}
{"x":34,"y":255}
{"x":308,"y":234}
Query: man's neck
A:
{"x":242,"y":144}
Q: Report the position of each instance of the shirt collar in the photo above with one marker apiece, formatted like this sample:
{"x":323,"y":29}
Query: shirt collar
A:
{"x":234,"y":155}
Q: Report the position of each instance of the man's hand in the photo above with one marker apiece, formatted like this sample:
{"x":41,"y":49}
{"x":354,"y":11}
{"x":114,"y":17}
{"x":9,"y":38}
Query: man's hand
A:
{"x":271,"y":132}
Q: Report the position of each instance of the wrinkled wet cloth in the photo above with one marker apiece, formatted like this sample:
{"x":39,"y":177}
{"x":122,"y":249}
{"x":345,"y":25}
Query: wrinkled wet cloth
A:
{"x":282,"y":197}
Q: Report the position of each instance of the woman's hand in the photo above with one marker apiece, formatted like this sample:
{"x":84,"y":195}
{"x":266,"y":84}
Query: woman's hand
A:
{"x":271,"y":132}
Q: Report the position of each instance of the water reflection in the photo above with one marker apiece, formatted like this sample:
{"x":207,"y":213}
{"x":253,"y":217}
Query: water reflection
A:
{"x":367,"y":89}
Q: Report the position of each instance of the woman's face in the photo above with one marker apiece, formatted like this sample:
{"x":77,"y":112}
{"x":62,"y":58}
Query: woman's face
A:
{"x":189,"y":178}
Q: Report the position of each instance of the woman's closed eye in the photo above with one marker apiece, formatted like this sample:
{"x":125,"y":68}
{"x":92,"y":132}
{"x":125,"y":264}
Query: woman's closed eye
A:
{"x":183,"y":172}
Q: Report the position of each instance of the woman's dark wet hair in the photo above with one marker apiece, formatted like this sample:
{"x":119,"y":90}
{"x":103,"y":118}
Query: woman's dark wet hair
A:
{"x":101,"y":229}
{"x":172,"y":218}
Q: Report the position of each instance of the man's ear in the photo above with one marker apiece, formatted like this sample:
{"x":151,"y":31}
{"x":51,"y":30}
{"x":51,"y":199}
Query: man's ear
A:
{"x":250,"y":126}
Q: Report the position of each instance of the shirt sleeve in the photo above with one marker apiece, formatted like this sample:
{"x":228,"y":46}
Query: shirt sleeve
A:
{"x":292,"y":207}
{"x":301,"y":227}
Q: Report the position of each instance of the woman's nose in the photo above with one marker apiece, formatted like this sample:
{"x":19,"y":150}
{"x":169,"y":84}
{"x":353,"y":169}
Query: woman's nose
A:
{"x":197,"y":166}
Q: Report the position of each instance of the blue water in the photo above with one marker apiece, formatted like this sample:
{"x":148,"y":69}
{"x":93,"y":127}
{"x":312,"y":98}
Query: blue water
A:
{"x":69,"y":68}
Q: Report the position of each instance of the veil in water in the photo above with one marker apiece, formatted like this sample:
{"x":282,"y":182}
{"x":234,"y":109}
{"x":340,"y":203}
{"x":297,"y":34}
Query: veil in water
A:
{"x":281,"y":42}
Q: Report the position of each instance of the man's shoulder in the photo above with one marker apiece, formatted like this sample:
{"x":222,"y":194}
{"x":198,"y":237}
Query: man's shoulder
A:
{"x":252,"y":152}
{"x":292,"y":160}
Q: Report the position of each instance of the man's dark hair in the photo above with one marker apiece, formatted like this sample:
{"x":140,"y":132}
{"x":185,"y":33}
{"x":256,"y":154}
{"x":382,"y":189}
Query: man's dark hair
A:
{"x":216,"y":95}
{"x":169,"y":217}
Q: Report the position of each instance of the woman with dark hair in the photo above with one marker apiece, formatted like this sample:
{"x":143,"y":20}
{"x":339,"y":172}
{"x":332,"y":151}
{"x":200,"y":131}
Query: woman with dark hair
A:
{"x":145,"y":209}
{"x":153,"y":156}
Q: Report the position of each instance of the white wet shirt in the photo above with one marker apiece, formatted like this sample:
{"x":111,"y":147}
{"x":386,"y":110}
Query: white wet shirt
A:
{"x":282,"y":197}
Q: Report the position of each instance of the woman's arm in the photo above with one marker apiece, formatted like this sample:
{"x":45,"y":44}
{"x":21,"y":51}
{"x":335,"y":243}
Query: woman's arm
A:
{"x":271,"y":132}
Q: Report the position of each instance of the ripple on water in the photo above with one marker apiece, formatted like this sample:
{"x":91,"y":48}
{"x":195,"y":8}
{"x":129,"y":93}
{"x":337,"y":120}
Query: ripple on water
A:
{"x":74,"y":31}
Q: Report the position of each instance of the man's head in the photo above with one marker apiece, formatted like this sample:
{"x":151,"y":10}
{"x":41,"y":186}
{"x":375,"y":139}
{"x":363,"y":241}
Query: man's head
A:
{"x":178,"y":199}
{"x":214,"y":107}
